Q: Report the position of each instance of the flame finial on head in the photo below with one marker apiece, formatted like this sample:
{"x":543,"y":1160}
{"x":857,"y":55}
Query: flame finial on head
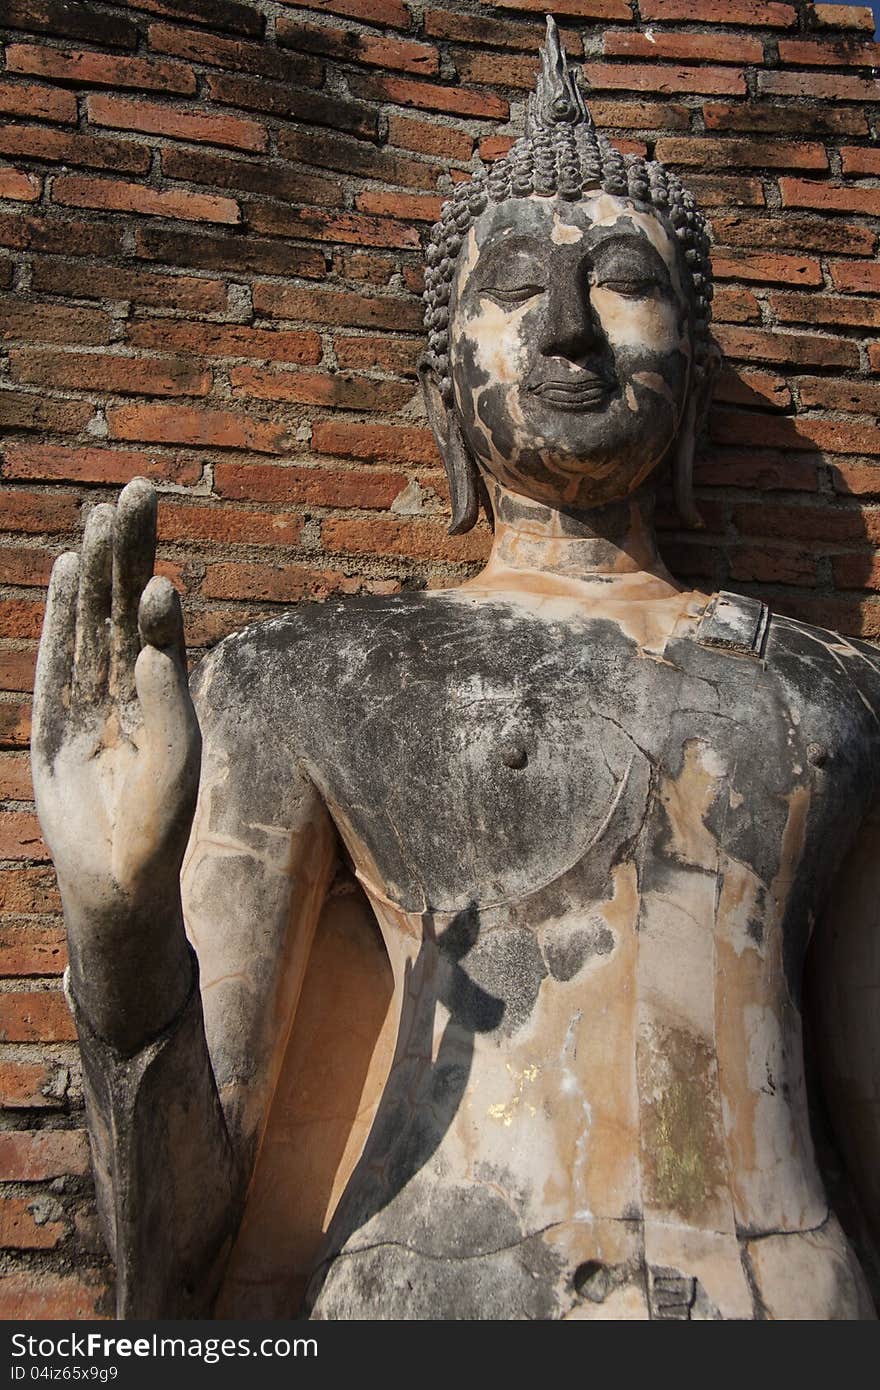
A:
{"x":557,"y":98}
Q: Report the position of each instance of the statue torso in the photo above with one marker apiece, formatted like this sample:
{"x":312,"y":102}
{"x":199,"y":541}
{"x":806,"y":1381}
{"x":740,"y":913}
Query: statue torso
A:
{"x":596,"y":862}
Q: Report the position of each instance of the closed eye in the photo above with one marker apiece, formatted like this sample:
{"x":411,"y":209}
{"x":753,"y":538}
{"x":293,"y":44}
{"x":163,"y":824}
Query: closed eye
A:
{"x":512,"y":294}
{"x":631,"y":289}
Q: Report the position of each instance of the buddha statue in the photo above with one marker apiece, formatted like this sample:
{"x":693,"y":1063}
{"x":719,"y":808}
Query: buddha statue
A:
{"x":599,"y":818}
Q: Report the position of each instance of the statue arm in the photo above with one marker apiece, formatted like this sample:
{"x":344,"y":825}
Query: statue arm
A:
{"x":116,"y":756}
{"x":844,"y":996}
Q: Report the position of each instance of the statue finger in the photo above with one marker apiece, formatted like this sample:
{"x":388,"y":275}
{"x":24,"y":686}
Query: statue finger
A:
{"x":91,"y":655}
{"x":55,"y":660}
{"x":134,"y":550}
{"x":160,"y":618}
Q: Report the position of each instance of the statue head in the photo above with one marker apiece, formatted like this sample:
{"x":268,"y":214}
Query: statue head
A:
{"x":567,"y":303}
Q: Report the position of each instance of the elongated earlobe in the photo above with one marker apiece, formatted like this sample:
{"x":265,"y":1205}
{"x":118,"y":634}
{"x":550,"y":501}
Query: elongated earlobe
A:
{"x":683,"y":470}
{"x":461,"y":469}
{"x":693,"y":427}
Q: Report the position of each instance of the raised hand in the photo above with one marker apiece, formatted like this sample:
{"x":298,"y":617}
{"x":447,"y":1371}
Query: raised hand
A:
{"x":116,"y":753}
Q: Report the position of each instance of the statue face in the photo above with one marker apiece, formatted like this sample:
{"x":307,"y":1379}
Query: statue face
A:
{"x":569,"y":346}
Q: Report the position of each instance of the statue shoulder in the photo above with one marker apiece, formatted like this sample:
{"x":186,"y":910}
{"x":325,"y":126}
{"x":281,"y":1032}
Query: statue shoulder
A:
{"x":314,"y":655}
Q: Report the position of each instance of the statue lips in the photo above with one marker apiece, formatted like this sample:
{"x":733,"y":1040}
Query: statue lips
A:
{"x":577,"y":389}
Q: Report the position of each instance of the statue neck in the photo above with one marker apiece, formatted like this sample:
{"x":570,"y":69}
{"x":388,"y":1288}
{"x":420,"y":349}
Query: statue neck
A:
{"x":610,"y":549}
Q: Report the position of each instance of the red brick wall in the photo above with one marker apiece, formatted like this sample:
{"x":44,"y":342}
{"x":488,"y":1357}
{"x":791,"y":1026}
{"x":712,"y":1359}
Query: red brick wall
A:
{"x":209,"y":271}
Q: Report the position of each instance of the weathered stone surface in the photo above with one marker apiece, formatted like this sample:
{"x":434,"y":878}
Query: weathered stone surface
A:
{"x":597,"y":817}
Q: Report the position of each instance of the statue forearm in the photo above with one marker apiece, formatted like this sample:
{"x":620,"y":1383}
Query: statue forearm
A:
{"x":168,"y":1185}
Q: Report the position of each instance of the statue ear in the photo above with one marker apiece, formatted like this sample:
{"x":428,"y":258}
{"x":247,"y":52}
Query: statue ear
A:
{"x":461,"y":468}
{"x":693,"y":426}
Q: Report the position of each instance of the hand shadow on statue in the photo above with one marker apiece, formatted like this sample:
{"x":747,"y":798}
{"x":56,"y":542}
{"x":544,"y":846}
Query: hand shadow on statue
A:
{"x":424,"y":1089}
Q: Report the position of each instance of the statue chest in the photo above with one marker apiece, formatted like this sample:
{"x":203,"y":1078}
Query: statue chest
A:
{"x":499,"y":770}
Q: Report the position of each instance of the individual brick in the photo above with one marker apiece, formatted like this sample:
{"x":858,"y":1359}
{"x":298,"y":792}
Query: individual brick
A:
{"x":860,"y":570}
{"x":358,"y":46}
{"x":835,"y":310}
{"x":805,"y":523}
{"x":415,"y":539}
{"x":763,"y":269}
{"x":219,"y":14}
{"x":644,"y":77}
{"x":120,"y":195}
{"x":225,"y":340}
{"x":38,"y":512}
{"x":35,"y":99}
{"x":184,"y":293}
{"x":32,"y":1086}
{"x":392,"y":13}
{"x":735,"y":305}
{"x":339,"y":389}
{"x":429,"y":96}
{"x":843,"y":17}
{"x":582,"y":9}
{"x":274,"y":583}
{"x":19,"y":1230}
{"x":856,"y":160}
{"x":157,"y":118}
{"x":61,"y":147}
{"x":20,"y":836}
{"x":317,"y":487}
{"x":399,"y":444}
{"x":650,"y":116}
{"x":860,"y":277}
{"x":715,"y":153}
{"x":772,"y":565}
{"x":38,"y":1016}
{"x":181,"y":522}
{"x":383,"y":354}
{"x":795,"y":233}
{"x":494,"y":33}
{"x":99,"y":69}
{"x":686,"y":48}
{"x":828,"y":393}
{"x":341,"y":307}
{"x":53,"y":323}
{"x":29,"y":1155}
{"x":35,"y":1294}
{"x":784,"y":346}
{"x":747,"y":12}
{"x":104,"y":466}
{"x":428,"y":137}
{"x":279,"y":99}
{"x":819,"y":85}
{"x":200,"y":46}
{"x":59,"y":235}
{"x":717,"y":190}
{"x":115,"y":375}
{"x":828,"y":53}
{"x":18,"y":619}
{"x":20,"y":410}
{"x":784,"y":120}
{"x":764,"y":469}
{"x":18,"y":186}
{"x":368,"y":267}
{"x":351,"y":156}
{"x":795,"y":432}
{"x":14,"y":767}
{"x":415,"y":207}
{"x":750,"y":388}
{"x":240,"y":255}
{"x":251,"y":176}
{"x":856,"y":479}
{"x":320,"y":225}
{"x":830,"y":197}
{"x":24,"y":565}
{"x":62,"y":20}
{"x":154,"y":423}
{"x":16,"y":673}
{"x":30,"y":891}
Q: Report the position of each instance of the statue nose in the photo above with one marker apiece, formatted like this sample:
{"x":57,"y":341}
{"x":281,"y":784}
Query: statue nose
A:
{"x":572,"y":328}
